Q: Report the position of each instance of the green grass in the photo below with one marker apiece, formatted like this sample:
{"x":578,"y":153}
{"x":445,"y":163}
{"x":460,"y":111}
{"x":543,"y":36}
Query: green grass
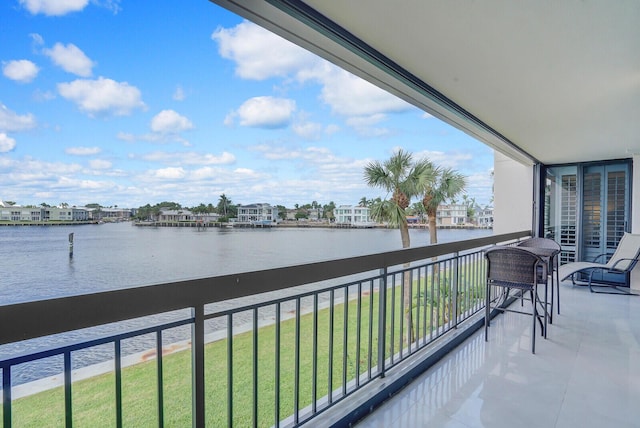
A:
{"x":94,"y":402}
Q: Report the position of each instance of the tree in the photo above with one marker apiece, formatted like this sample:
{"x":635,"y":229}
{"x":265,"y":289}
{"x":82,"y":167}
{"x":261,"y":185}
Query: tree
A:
{"x":403,"y":179}
{"x":327,"y":210}
{"x":282,"y":212}
{"x":417,"y":209}
{"x":447,"y":184}
{"x":470,"y":204}
{"x":364,"y":202}
{"x":223,"y":205}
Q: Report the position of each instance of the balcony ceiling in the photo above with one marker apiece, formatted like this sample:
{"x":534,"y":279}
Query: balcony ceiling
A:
{"x":560,"y":81}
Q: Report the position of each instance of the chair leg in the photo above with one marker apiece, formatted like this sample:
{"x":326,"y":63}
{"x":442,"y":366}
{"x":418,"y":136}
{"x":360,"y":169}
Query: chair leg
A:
{"x":487,"y":310}
{"x":533,"y":328}
{"x":558,"y":282}
{"x":552,"y":298}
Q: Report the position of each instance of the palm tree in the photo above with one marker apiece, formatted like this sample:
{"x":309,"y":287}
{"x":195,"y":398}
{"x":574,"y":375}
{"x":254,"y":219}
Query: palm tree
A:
{"x":223,"y":204}
{"x":447,"y":185}
{"x":403,"y":179}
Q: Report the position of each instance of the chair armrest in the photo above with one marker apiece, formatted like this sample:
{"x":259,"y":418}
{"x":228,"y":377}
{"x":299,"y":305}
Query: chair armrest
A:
{"x":598,"y":256}
{"x":622,"y":260}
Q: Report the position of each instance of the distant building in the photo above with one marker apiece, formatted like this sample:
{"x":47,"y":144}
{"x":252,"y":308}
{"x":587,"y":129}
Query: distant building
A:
{"x":451,"y":215}
{"x":175,"y":215}
{"x":257,"y":213}
{"x":484,"y":217}
{"x":42,"y":214}
{"x":312,"y":214}
{"x":355,"y":216}
{"x":110,"y":213}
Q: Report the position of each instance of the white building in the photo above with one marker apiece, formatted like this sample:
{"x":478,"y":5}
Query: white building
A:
{"x":42,"y":214}
{"x":257,"y":214}
{"x":451,"y":215}
{"x":484,"y":217}
{"x":355,"y":216}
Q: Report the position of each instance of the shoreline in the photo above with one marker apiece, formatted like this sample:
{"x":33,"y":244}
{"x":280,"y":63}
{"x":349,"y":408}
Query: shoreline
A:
{"x":201,"y":225}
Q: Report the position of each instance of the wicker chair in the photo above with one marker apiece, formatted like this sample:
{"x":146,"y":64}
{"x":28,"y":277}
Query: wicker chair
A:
{"x":551,"y":257}
{"x":516,"y":268}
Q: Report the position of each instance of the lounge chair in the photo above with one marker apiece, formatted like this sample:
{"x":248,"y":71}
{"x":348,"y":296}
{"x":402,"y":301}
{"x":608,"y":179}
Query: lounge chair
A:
{"x":622,"y":262}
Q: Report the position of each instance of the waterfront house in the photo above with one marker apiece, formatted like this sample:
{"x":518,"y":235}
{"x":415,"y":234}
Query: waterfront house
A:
{"x":110,"y":214}
{"x":484,"y":216}
{"x":261,"y":213}
{"x":17,"y":213}
{"x":355,"y":216}
{"x":175,"y":216}
{"x":451,"y":215}
{"x":554,"y":89}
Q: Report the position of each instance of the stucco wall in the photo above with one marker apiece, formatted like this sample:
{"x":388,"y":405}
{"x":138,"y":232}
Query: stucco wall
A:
{"x":635,"y":215}
{"x":513,"y":195}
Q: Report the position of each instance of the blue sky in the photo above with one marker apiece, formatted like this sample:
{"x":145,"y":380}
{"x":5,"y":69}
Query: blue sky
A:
{"x":129,"y":102}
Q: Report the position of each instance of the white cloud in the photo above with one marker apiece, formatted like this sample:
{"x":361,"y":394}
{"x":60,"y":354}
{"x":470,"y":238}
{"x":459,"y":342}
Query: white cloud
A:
{"x":190,"y":158}
{"x":82,"y":151}
{"x":126,"y":136}
{"x":21,"y":70}
{"x":264,"y":112}
{"x":170,"y":122}
{"x":10,"y":121}
{"x":99,"y":164}
{"x":179,"y":94}
{"x":6,"y":143}
{"x":349,"y":95}
{"x":102,"y":96}
{"x":308,"y":130}
{"x":260,"y":54}
{"x":71,"y":59}
{"x":445,"y":159}
{"x":39,"y":95}
{"x":53,"y":7}
{"x":37,"y":39}
{"x":169,"y":173}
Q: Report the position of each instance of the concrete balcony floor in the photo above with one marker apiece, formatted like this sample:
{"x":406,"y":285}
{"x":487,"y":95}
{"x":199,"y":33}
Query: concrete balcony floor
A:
{"x":586,"y":374}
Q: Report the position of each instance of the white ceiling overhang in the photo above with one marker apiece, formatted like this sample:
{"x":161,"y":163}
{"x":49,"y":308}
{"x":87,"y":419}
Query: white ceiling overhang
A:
{"x":540,"y":81}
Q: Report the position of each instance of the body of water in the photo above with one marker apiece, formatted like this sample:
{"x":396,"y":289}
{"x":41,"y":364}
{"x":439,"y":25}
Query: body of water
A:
{"x":36,"y":262}
{"x":36,"y":265}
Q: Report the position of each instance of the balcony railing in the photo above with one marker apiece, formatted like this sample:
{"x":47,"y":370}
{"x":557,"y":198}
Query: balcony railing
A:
{"x":267,"y":348}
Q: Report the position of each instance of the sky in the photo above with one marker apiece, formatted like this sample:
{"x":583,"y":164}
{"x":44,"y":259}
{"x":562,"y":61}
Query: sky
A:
{"x":127,"y":103}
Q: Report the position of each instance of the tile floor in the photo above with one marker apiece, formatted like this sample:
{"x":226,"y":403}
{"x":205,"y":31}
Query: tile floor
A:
{"x":586,"y":374}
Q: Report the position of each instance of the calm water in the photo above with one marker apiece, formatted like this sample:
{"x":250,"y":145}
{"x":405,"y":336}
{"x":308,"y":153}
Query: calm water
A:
{"x":36,"y":265}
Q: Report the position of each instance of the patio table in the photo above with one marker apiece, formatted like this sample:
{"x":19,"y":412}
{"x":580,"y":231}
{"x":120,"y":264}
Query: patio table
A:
{"x":548,"y":255}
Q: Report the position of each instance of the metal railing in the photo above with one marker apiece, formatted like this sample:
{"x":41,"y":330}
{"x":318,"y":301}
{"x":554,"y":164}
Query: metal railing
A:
{"x":277,"y":355}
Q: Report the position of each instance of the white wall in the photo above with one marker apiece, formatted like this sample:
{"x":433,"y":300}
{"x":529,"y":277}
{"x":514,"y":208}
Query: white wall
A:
{"x":513,"y":195}
{"x":635,"y":214}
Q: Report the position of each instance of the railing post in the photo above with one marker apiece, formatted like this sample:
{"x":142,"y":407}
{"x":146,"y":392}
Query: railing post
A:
{"x":382,"y":321}
{"x":6,"y":397}
{"x":197,"y":371}
{"x":454,"y":289}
